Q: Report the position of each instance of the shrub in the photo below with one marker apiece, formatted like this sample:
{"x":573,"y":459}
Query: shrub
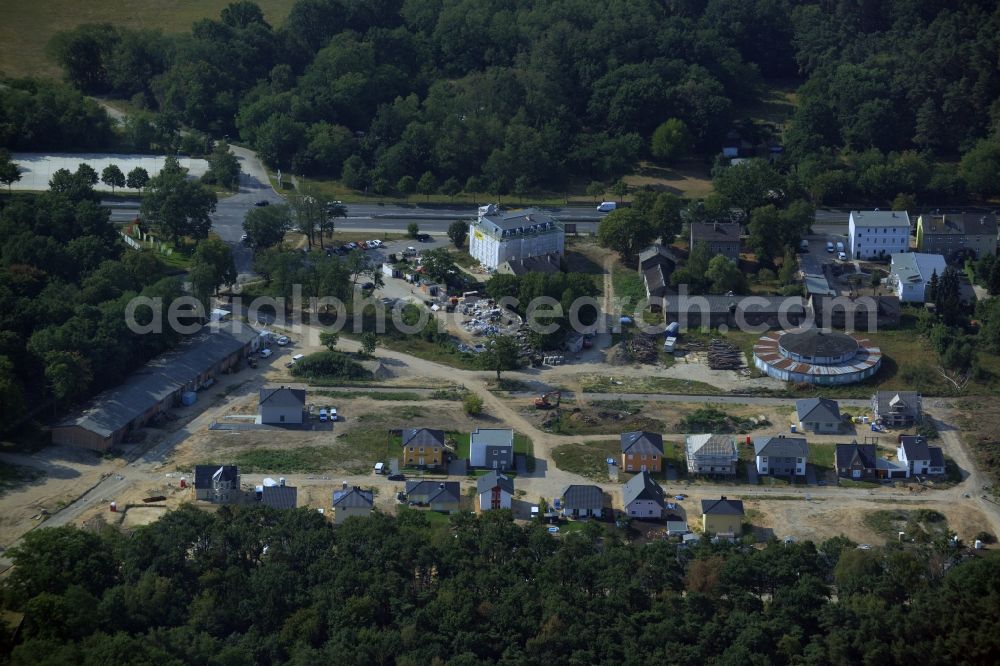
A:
{"x":329,"y":365}
{"x":472,"y":404}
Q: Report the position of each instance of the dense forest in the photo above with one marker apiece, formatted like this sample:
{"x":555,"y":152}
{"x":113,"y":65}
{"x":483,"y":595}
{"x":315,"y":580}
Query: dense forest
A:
{"x":65,"y":282}
{"x":265,"y":587}
{"x":505,"y":95}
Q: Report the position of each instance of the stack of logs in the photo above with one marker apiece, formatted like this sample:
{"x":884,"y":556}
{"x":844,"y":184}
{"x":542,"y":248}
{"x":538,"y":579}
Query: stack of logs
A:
{"x":724,"y":356}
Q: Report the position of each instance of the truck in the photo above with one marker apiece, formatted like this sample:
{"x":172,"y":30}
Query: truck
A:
{"x":670,"y":345}
{"x":673,"y":329}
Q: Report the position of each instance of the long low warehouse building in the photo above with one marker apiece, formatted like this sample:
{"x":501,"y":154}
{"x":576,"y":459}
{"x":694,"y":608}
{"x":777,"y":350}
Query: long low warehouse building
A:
{"x":155,"y":388}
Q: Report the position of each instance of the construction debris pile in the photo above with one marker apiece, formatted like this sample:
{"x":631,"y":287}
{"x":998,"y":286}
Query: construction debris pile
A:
{"x":642,"y":348}
{"x":724,"y":356}
{"x":485,"y":318}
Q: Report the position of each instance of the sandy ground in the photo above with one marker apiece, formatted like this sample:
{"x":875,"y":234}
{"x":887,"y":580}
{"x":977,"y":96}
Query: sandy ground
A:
{"x":67,"y":473}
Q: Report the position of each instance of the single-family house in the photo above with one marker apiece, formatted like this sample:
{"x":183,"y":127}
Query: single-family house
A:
{"x":280,"y":406}
{"x":643,"y":497}
{"x":219,"y":484}
{"x":856,"y":461}
{"x":721,"y":237}
{"x":492,"y":448}
{"x":896,"y":409}
{"x":280,"y":496}
{"x":423,"y":447}
{"x":781,"y":456}
{"x":444,"y":496}
{"x":819,"y":415}
{"x":918,"y":457}
{"x":711,"y":454}
{"x":656,"y":265}
{"x":351,"y":501}
{"x":722,"y":517}
{"x":582,"y":501}
{"x":494,"y":491}
{"x":642,"y":451}
{"x":875,"y":233}
{"x":911,"y":273}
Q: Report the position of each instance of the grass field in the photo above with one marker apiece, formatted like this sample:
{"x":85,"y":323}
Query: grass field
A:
{"x":286,"y":461}
{"x":374,"y":395}
{"x":27,"y":27}
{"x":588,"y":459}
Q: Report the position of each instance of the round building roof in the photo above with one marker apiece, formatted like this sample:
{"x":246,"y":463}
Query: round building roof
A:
{"x":818,"y":344}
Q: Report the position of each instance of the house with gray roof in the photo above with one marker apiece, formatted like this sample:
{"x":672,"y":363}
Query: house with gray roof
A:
{"x":819,"y":415}
{"x":721,"y":237}
{"x":642,"y":451}
{"x":351,"y":501}
{"x":280,"y":496}
{"x":897,"y":409}
{"x":493,"y":491}
{"x":643,"y":497}
{"x":722,"y":517}
{"x":918,"y":457}
{"x":156,"y":387}
{"x":492,"y":448}
{"x":279,"y":406}
{"x":656,"y":264}
{"x":711,"y":454}
{"x":219,"y":484}
{"x":781,"y":456}
{"x":423,"y":447}
{"x":444,"y":496}
{"x":582,"y":501}
{"x":518,"y":267}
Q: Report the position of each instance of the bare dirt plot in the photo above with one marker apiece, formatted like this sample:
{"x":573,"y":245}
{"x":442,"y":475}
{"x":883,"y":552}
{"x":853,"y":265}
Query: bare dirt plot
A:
{"x":821,"y":519}
{"x":142,"y":515}
{"x":66,"y":473}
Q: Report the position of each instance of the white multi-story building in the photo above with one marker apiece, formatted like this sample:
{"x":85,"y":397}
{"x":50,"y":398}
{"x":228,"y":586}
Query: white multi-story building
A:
{"x":497,"y":236}
{"x":878,"y":233}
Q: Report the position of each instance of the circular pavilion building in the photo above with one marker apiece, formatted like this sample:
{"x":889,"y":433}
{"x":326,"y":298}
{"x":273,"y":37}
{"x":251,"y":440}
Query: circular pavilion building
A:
{"x":815,"y":356}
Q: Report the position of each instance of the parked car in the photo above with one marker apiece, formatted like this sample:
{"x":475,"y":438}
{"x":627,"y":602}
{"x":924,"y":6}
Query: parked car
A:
{"x":829,"y":247}
{"x":282,"y":340}
{"x":243,"y":238}
{"x":322,"y":414}
{"x":380,"y":468}
{"x":804,"y":245}
{"x":332,"y":411}
{"x":377,"y":243}
{"x":842,"y":256}
{"x":368,"y":285}
{"x":397,"y":477}
{"x":424,"y":238}
{"x":840,"y":246}
{"x":262,"y":202}
{"x":352,"y":246}
{"x":607,"y":206}
{"x":264,"y":353}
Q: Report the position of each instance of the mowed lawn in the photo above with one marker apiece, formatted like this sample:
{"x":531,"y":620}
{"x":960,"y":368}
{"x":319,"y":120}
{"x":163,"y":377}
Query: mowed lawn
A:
{"x":27,"y":27}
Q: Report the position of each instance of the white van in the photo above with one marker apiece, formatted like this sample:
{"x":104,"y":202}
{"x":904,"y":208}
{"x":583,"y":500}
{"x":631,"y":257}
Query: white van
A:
{"x":379,"y":468}
{"x":607,"y":206}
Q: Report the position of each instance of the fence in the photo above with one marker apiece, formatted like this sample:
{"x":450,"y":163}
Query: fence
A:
{"x":132,"y":232}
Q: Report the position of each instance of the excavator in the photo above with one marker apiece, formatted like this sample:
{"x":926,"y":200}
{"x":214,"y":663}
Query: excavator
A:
{"x":543,"y":402}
